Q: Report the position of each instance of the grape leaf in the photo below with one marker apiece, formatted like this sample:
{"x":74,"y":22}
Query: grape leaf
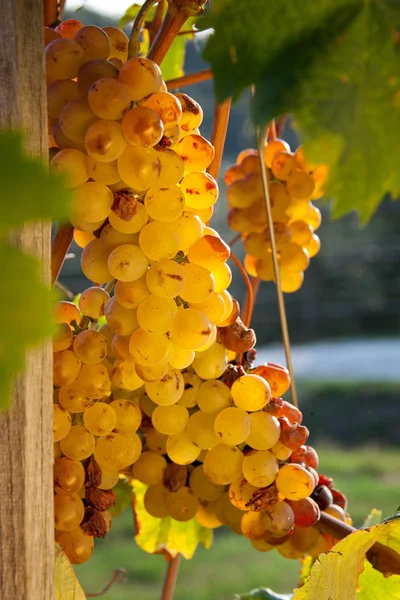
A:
{"x":335,"y":66}
{"x":123,"y":492}
{"x":25,"y":313}
{"x":262,"y":594}
{"x":166,"y":536}
{"x":374,"y":517}
{"x":66,"y":585}
{"x":131,"y":13}
{"x":172,"y":65}
{"x":373,"y":585}
{"x":336,"y":573}
{"x":28,"y":191}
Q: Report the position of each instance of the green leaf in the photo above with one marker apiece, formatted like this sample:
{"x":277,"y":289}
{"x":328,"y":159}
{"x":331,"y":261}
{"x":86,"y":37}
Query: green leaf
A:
{"x":333,"y":64}
{"x":25,"y":313}
{"x":263,"y":594}
{"x":172,"y":65}
{"x":66,"y":585}
{"x":131,"y":14}
{"x":123,"y":491}
{"x":28,"y":191}
{"x":372,"y":585}
{"x":374,"y":517}
{"x":166,"y":535}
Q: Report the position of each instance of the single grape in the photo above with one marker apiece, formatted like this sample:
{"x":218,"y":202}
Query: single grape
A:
{"x":192,"y":113}
{"x":78,"y":444}
{"x":209,"y":252}
{"x":99,"y":419}
{"x":82,"y":238}
{"x":66,"y":367}
{"x":127,"y":262}
{"x":170,"y":167}
{"x":158,"y":241}
{"x":149,"y":468}
{"x":67,"y":29}
{"x":223,"y":277}
{"x":73,"y":398}
{"x":182,"y":505}
{"x":68,"y":512}
{"x":63,"y":59}
{"x":149,"y":349}
{"x":134,"y":225}
{"x":69,"y":476}
{"x":154,"y":501}
{"x":164,"y":204}
{"x":94,"y":42}
{"x":93,"y":70}
{"x":181,"y":449}
{"x":223,"y":464}
{"x":92,"y":302}
{"x":156,"y":315}
{"x":200,"y":429}
{"x":196,"y":152}
{"x":202,"y":487}
{"x":199,"y":283}
{"x":168,"y":390}
{"x":141,"y":76}
{"x":59,"y":93}
{"x":104,"y":141}
{"x":212,"y":363}
{"x":77,"y":545}
{"x":119,"y":43}
{"x":250,"y":392}
{"x":90,"y":346}
{"x":170,"y":420}
{"x":109,"y":99}
{"x":130,"y":294}
{"x":190,"y":329}
{"x":124,"y":375}
{"x":92,"y":201}
{"x":128,"y":416}
{"x":260,"y":467}
{"x":61,"y":422}
{"x":75,"y":119}
{"x":265,"y":431}
{"x":167,"y":106}
{"x":142,"y":127}
{"x":232,"y":426}
{"x":62,"y":339}
{"x":94,"y":262}
{"x":213,"y":396}
{"x":94,"y":381}
{"x":109,"y":479}
{"x":115,"y":451}
{"x":120,"y":319}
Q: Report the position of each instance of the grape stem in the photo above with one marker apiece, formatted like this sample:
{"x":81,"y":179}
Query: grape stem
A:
{"x":382,"y":558}
{"x":246,"y":314}
{"x":138,"y":23}
{"x":189,"y":79}
{"x":255,"y":286}
{"x":120,"y":575}
{"x":155,"y":24}
{"x":218,"y":135}
{"x":53,"y":12}
{"x":64,"y":290}
{"x":59,"y":247}
{"x":170,"y":578}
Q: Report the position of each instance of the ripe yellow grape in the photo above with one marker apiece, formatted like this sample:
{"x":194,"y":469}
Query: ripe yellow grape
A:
{"x":154,"y":373}
{"x":68,"y":512}
{"x":202,"y":487}
{"x":93,"y":70}
{"x":196,"y":152}
{"x":129,"y":416}
{"x":115,"y":451}
{"x":301,"y":232}
{"x":78,"y":444}
{"x":260,"y":467}
{"x":63,"y":59}
{"x":99,"y":419}
{"x":313,"y":246}
{"x":272,"y":148}
{"x":200,"y":190}
{"x":170,"y":420}
{"x":209,"y":252}
{"x":241,"y":492}
{"x":251,"y":392}
{"x":283,"y":165}
{"x":168,"y":390}
{"x":77,"y":545}
{"x":149,"y":349}
{"x":141,"y":76}
{"x":73,"y":398}
{"x":82,"y":238}
{"x":199,"y":283}
{"x":86,"y":226}
{"x":62,"y":339}
{"x":69,"y":476}
{"x":127,"y":262}
{"x":192,"y":113}
{"x":165,"y":279}
{"x":120,"y":319}
{"x":149,"y":468}
{"x":92,"y":302}
{"x":158,"y":241}
{"x":171,"y":168}
{"x":75,"y":119}
{"x":120,"y":347}
{"x":294,"y":258}
{"x":227,"y":513}
{"x":90,"y":346}
{"x":94,"y":381}
{"x":182,"y":505}
{"x":61,"y":422}
{"x":211,"y":363}
{"x":300,"y":185}
{"x":92,"y":202}
{"x":206,"y":515}
{"x":164,"y":204}
{"x":213,"y":307}
{"x":138,"y":167}
{"x":313,"y":217}
{"x":291,"y":281}
{"x":134,"y":225}
{"x":182,"y":358}
{"x":109,"y":99}
{"x":67,"y":29}
{"x":94,"y":41}
{"x":94,"y":262}
{"x":119,"y":43}
{"x":167,"y":106}
{"x":156,"y":315}
{"x":192,"y":384}
{"x":189,"y":229}
{"x":130,"y":294}
{"x":59,"y":93}
{"x":200,"y":429}
{"x":104,"y":141}
{"x":232,"y":426}
{"x":124,"y":375}
{"x":223,"y":464}
{"x":142,"y":127}
{"x":111,"y":238}
{"x":66,"y":367}
{"x":181,"y":449}
{"x":154,"y":501}
{"x":294,"y":482}
{"x":191,"y":329}
{"x":265,"y":431}
{"x":213,"y":396}
{"x":109,"y":479}
{"x":223,"y":277}
{"x":156,"y":441}
{"x":280,"y":451}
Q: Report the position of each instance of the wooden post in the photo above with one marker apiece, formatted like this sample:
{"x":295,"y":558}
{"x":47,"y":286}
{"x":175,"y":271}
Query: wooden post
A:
{"x":26,"y":449}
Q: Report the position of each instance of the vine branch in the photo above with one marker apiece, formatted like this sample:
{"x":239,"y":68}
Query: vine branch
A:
{"x":248,"y":309}
{"x":218,"y":135}
{"x":189,"y":79}
{"x":59,"y":247}
{"x":170,"y":578}
{"x":138,"y":23}
{"x":118,"y":575}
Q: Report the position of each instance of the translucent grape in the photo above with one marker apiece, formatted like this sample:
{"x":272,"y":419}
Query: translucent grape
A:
{"x":68,"y":512}
{"x":104,"y":141}
{"x":202,"y":487}
{"x":86,"y":226}
{"x":241,"y":492}
{"x":170,"y":420}
{"x":190,"y":329}
{"x":200,"y":430}
{"x":62,"y":339}
{"x":277,"y":376}
{"x":90,"y":347}
{"x":61,"y":422}
{"x":129,"y":416}
{"x":66,"y":367}
{"x":293,"y":258}
{"x":232,"y":426}
{"x":223,"y":277}
{"x":73,"y":398}
{"x":206,"y":515}
{"x":94,"y":381}
{"x":192,"y":113}
{"x":154,"y":501}
{"x":130,"y":294}
{"x":127,"y":263}
{"x":134,"y":225}
{"x":92,"y":302}
{"x":92,"y":201}
{"x":211,"y":363}
{"x":158,"y":241}
{"x":156,"y":441}
{"x":306,"y":512}
{"x":209,"y":252}
{"x":171,"y":168}
{"x":78,"y":444}
{"x":94,"y":41}
{"x":294,"y":482}
{"x":223,"y":464}
{"x":69,"y":476}
{"x":313,"y":246}
{"x":251,"y":392}
{"x":253,"y":526}
{"x":149,"y":468}
{"x":149,"y":349}
{"x":93,"y":70}
{"x":280,"y":451}
{"x":313,"y":217}
{"x":124,"y":375}
{"x":154,"y":373}
{"x":265,"y":431}
{"x":77,"y":545}
{"x":120,"y":319}
{"x":189,"y":229}
{"x":115,"y":451}
{"x":142,"y":127}
{"x":99,"y":419}
{"x":182,"y":358}
{"x":59,"y":93}
{"x":67,"y":29}
{"x":167,"y":106}
{"x":199,"y":283}
{"x":138,"y":167}
{"x":119,"y":43}
{"x":192,"y":384}
{"x":165,"y":279}
{"x":227,"y":513}
{"x":196,"y":152}
{"x":156,"y":315}
{"x":82,"y":238}
{"x":111,"y":238}
{"x":213,"y":396}
{"x":168,"y":390}
{"x":181,"y":449}
{"x":109,"y":479}
{"x":260,"y":467}
{"x":63,"y":59}
{"x":141,"y":76}
{"x":164,"y":204}
{"x":290,"y":281}
{"x":300,"y":185}
{"x":200,"y":190}
{"x":75,"y":119}
{"x":272,"y":148}
{"x":109,"y":99}
{"x":94,"y":262}
{"x":182,"y":505}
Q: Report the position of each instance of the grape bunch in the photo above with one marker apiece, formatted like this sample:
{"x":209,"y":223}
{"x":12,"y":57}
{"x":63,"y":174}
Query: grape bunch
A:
{"x":293,"y":183}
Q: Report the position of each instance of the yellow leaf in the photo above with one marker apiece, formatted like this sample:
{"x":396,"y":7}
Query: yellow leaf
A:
{"x":67,"y":587}
{"x":166,"y":536}
{"x":334,"y":575}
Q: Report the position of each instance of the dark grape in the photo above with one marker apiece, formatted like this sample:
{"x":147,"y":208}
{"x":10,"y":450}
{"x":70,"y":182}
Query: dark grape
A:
{"x":325,"y":480}
{"x":322,"y":496}
{"x":306,"y":512}
{"x":339,"y":498}
{"x":293,"y":435}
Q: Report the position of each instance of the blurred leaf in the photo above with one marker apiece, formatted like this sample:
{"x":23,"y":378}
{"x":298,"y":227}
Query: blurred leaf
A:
{"x":66,"y":585}
{"x":374,"y":517}
{"x":25,"y":313}
{"x":336,"y":573}
{"x":172,"y":65}
{"x":166,"y":536}
{"x":263,"y":594}
{"x":27,"y":192}
{"x":347,"y":110}
{"x":306,"y":566}
{"x":123,"y":491}
{"x":131,"y":14}
{"x":372,"y":585}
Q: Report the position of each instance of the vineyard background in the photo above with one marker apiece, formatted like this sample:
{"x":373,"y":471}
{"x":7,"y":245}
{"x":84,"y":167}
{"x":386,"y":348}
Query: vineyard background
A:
{"x":351,"y":293}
